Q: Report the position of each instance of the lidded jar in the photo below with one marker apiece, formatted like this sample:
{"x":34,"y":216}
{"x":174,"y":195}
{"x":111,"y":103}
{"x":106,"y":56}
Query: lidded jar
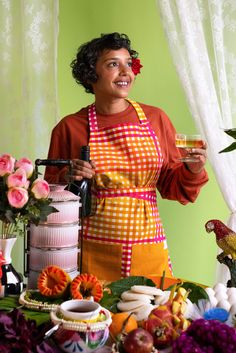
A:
{"x":66,"y":203}
{"x":56,"y":241}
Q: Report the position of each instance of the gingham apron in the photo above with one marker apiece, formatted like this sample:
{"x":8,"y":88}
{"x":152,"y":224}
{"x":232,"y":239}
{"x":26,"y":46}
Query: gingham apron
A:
{"x":125,"y":236}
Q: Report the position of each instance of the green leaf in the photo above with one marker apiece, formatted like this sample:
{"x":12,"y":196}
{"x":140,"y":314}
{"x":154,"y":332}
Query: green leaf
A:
{"x":35,"y":295}
{"x":10,"y":303}
{"x":197,"y":292}
{"x":109,"y":301}
{"x":229,"y":148}
{"x":39,"y":316}
{"x":118,"y":287}
{"x":46,"y":210}
{"x":231,"y":132}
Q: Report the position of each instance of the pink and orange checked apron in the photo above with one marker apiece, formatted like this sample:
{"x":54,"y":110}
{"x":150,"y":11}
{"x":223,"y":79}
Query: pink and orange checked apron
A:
{"x":125,"y":236}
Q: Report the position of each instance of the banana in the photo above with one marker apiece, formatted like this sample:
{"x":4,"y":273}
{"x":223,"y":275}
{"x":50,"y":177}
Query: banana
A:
{"x":129,"y":305}
{"x":146,"y":290}
{"x":162,"y":299}
{"x":143,"y":312}
{"x":130,"y":295}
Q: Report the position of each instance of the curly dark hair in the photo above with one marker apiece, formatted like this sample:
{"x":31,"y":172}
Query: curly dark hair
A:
{"x":83,"y":66}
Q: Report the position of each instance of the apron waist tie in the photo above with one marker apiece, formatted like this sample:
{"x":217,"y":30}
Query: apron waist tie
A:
{"x":137,"y":193}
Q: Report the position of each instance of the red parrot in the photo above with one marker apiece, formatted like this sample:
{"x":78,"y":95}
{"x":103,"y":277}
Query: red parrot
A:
{"x":225,"y":237}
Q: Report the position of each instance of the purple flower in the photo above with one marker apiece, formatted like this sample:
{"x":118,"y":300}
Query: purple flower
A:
{"x":18,"y":334}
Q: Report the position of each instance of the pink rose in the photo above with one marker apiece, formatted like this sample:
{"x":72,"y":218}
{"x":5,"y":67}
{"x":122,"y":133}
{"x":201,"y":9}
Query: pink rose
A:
{"x":17,"y":197}
{"x":27,"y":165}
{"x":18,"y":179}
{"x":40,"y":189}
{"x":6,"y":164}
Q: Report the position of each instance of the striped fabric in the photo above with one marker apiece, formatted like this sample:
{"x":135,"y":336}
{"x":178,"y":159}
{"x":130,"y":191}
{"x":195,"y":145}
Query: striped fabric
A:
{"x":128,"y":162}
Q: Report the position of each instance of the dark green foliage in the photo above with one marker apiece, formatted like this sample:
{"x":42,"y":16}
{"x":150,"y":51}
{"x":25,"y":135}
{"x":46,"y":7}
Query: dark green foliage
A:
{"x":232,"y":133}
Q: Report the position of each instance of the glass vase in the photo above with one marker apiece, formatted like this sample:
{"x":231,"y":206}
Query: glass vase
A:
{"x":11,"y":281}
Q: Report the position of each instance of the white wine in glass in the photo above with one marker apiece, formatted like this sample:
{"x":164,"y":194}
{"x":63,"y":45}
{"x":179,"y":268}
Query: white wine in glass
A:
{"x":188,"y":141}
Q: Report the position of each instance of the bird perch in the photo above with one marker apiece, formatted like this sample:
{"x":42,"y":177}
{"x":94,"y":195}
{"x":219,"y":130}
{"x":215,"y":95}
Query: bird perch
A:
{"x":231,"y":264}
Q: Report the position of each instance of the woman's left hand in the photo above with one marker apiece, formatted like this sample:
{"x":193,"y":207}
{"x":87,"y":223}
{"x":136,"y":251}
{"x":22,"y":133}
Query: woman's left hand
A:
{"x":200,"y":155}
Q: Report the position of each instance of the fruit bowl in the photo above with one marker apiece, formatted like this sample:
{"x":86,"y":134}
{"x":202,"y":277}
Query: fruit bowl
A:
{"x":81,"y":337}
{"x":26,"y":299}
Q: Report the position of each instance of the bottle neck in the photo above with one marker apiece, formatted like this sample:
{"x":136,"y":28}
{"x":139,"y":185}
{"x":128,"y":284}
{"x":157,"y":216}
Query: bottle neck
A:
{"x":85,"y":153}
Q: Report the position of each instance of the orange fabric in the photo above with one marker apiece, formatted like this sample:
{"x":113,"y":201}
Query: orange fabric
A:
{"x":106,"y":265}
{"x":128,"y":162}
{"x":125,"y":236}
{"x":175,"y":181}
{"x":150,"y":260}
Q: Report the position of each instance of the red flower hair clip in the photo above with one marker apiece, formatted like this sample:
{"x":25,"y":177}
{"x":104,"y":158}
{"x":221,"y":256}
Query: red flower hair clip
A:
{"x":136,"y":66}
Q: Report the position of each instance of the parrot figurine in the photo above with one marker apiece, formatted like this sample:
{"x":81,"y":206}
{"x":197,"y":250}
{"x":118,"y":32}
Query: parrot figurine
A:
{"x":225,"y":238}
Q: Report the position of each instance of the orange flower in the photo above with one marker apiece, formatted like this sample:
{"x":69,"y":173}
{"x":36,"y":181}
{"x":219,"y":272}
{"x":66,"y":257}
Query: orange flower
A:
{"x":85,"y":286}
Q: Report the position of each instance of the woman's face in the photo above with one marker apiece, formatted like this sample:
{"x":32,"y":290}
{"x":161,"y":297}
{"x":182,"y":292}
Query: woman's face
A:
{"x":115,"y":75}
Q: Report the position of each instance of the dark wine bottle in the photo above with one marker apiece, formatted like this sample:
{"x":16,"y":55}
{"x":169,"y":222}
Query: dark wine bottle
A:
{"x":83,"y":188}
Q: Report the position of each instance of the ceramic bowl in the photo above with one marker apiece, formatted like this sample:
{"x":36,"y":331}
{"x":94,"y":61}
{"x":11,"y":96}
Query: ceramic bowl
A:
{"x":77,"y":337}
{"x":66,"y":258}
{"x":54,"y":236}
{"x":80,"y":310}
{"x":66,"y":203}
{"x":68,"y":212}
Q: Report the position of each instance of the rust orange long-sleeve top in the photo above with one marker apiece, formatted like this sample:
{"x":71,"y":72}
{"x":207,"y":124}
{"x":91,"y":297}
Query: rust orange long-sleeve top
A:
{"x":176,"y":182}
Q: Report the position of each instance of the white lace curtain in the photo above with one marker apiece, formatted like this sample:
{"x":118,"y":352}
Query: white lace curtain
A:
{"x":28,"y":98}
{"x":201,"y":36}
{"x":28,"y":85}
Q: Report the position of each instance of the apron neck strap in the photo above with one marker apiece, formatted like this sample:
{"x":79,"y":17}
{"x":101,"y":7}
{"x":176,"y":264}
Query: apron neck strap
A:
{"x":93,"y":125}
{"x":139,"y":110}
{"x":93,"y":117}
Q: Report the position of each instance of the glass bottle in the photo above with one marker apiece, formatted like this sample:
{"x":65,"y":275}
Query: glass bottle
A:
{"x":12,"y":281}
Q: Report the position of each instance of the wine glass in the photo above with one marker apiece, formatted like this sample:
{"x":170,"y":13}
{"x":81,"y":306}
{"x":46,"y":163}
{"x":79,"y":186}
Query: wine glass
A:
{"x":188,"y":141}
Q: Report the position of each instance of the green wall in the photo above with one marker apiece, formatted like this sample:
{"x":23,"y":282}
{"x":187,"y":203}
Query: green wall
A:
{"x":192,"y":250}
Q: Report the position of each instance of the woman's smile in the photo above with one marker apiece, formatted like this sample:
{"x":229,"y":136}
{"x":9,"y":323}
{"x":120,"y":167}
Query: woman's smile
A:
{"x":122,"y":83}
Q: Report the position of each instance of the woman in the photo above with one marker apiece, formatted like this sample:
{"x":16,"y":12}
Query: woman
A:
{"x":133,"y":151}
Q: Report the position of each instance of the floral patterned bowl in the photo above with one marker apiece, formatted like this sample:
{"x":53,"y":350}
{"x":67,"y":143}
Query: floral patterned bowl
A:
{"x":81,"y":337}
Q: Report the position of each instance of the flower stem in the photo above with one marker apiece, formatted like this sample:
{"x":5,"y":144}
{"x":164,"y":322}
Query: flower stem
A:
{"x":7,"y":229}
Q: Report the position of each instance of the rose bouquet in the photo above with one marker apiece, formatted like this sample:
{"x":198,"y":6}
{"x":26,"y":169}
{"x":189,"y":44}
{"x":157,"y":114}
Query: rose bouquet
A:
{"x":23,"y":196}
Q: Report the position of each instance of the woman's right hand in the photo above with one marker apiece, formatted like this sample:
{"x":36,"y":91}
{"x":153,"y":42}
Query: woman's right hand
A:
{"x":81,"y":169}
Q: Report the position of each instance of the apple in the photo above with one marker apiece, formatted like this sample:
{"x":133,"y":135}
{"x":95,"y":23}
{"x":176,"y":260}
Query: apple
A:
{"x":138,"y":341}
